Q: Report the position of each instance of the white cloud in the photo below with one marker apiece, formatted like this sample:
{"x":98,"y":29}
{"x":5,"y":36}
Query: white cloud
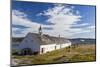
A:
{"x":64,"y":18}
{"x":20,"y":18}
{"x":61,"y":16}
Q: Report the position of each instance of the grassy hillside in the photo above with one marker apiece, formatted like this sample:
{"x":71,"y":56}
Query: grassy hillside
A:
{"x":79,"y":53}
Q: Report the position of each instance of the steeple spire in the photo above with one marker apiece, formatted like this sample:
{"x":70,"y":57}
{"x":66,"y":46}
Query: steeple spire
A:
{"x":40,"y":30}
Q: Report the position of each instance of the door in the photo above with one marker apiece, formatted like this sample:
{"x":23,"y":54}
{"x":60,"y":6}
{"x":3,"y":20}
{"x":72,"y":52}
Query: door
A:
{"x":42,"y":50}
{"x":26,"y":51}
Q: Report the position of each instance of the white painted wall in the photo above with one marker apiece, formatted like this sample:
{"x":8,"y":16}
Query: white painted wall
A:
{"x":65,"y":45}
{"x":47,"y":48}
{"x":29,"y":42}
{"x":57,"y":46}
{"x":51,"y":47}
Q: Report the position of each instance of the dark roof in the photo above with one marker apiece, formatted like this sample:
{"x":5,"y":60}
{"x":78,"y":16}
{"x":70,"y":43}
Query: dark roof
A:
{"x":46,"y":39}
{"x":41,"y":39}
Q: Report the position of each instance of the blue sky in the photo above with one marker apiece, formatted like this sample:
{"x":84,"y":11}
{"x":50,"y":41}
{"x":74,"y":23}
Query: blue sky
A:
{"x":66,"y":20}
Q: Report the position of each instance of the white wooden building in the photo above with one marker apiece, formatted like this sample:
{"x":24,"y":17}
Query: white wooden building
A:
{"x":38,"y":43}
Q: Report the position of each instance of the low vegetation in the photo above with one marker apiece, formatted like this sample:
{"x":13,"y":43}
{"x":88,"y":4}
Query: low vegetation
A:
{"x":79,"y":53}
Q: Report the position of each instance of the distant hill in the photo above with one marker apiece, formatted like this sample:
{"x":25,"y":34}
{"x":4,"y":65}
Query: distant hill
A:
{"x":83,"y":41}
{"x":17,"y":39}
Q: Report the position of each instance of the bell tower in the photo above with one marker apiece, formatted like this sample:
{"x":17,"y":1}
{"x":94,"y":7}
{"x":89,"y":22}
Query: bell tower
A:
{"x":40,"y":30}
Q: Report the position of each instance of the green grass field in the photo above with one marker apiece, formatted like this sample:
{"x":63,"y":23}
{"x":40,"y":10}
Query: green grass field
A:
{"x":81,"y":53}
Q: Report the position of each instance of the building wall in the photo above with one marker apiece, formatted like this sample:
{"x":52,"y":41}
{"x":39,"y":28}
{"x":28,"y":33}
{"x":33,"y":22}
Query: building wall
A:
{"x":65,"y":45}
{"x":47,"y":48}
{"x":58,"y":46}
{"x":51,"y":47}
{"x":29,"y":42}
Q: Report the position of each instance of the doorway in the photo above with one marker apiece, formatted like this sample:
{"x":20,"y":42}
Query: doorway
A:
{"x":26,"y":51}
{"x":42,"y":50}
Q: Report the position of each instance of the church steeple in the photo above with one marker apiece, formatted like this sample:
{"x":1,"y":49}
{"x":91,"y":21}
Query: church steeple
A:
{"x":40,"y":30}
